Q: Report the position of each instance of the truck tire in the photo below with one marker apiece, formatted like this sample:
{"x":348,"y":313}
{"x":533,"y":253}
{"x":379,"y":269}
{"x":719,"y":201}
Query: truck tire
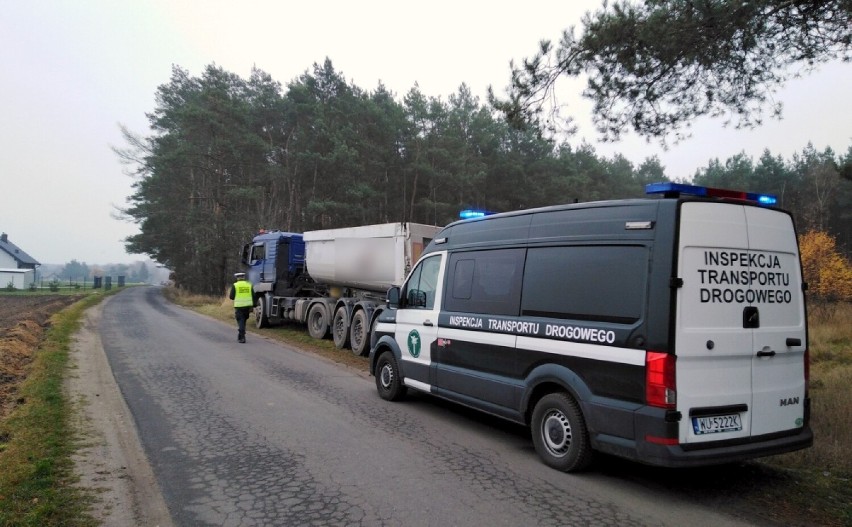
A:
{"x":388,"y":378}
{"x":340,"y":328}
{"x":318,"y":321}
{"x":261,"y":312}
{"x":359,"y":333}
{"x":559,"y":433}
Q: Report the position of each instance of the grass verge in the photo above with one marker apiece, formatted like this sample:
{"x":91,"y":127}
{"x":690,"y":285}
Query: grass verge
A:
{"x":221,"y":308}
{"x":823,"y":473}
{"x":37,"y":481}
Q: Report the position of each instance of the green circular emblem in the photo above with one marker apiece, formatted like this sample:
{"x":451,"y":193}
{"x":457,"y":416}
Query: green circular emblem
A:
{"x":414,"y":343}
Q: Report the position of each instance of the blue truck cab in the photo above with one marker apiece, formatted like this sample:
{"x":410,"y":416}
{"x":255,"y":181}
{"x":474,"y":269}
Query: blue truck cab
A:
{"x":275,"y":262}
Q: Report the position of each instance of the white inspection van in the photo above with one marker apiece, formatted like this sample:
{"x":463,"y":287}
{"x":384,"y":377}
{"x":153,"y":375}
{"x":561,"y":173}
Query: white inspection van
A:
{"x":669,"y":330}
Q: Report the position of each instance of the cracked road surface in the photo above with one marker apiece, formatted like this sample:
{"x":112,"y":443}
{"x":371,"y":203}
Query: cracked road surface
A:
{"x":262,"y":434}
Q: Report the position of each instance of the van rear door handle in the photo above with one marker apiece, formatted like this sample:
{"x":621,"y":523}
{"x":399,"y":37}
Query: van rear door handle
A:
{"x":428,"y":323}
{"x":751,"y":317}
{"x":769,"y":353}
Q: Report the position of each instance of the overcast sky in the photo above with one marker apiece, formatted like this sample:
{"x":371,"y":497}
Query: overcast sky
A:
{"x":73,"y":71}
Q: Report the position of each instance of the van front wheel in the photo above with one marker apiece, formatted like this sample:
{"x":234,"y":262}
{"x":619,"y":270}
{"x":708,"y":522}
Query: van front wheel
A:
{"x":388,"y":379}
{"x":559,"y":433}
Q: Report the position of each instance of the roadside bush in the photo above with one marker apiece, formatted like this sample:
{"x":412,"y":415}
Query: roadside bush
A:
{"x":54,"y":285}
{"x":827,"y":272}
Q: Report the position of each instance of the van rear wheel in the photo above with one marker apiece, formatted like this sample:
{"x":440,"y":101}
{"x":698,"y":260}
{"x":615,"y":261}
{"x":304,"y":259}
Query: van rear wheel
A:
{"x":559,"y":433}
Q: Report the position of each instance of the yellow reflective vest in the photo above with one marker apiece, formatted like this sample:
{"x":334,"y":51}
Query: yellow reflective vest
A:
{"x":242,"y":294}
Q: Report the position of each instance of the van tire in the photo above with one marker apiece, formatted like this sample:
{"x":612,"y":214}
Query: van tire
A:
{"x":388,"y":378}
{"x":559,"y":433}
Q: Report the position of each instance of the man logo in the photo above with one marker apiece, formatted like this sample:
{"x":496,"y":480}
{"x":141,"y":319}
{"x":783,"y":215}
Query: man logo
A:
{"x":414,"y":343}
{"x":788,"y":402}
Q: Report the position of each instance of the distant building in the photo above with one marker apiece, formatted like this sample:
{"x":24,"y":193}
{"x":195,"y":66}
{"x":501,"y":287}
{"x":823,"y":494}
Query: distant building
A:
{"x":16,"y":267}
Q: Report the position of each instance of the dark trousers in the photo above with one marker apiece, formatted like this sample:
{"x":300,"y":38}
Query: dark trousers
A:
{"x":241,"y":314}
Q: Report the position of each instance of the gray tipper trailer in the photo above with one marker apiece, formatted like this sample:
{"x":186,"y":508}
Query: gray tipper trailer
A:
{"x":332,"y":280}
{"x":668,"y":330}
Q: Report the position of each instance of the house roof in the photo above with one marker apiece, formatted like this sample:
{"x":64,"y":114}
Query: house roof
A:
{"x":16,"y":252}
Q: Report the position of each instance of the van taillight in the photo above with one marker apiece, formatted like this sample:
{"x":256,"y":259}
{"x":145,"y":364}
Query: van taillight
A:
{"x":660,"y":380}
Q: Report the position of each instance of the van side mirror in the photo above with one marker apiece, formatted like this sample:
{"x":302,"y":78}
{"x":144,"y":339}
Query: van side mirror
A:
{"x":393,"y":297}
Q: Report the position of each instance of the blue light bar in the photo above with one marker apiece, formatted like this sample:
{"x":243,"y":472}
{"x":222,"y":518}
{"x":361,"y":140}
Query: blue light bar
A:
{"x":473,"y":213}
{"x":676,"y":189}
{"x":679,"y":188}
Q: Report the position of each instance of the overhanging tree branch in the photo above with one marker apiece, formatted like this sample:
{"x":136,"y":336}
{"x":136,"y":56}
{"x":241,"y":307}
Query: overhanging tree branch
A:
{"x":655,"y":66}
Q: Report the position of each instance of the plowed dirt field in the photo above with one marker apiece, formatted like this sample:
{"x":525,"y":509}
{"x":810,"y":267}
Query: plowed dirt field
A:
{"x":23,"y":320}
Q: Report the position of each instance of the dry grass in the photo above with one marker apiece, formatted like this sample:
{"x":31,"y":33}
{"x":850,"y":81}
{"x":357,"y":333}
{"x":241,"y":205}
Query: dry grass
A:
{"x":823,"y":472}
{"x":184,"y":298}
{"x":831,"y":392}
{"x":831,"y":333}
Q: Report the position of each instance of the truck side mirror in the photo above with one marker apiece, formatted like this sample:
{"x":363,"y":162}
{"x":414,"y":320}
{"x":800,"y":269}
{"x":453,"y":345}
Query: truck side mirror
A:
{"x":393,"y":297}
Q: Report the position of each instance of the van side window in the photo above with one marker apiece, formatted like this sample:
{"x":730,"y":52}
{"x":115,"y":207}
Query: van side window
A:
{"x":604,"y":283}
{"x":422,"y":285}
{"x":487,"y":282}
{"x":462,"y":284}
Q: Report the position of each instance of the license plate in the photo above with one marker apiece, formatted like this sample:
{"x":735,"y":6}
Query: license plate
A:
{"x":714,"y":424}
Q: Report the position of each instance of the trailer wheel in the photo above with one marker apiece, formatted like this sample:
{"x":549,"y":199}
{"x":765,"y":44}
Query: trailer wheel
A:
{"x":359,"y":333}
{"x":317,"y":321}
{"x":261,"y":312}
{"x":559,"y":433}
{"x":388,"y":379}
{"x":340,"y":328}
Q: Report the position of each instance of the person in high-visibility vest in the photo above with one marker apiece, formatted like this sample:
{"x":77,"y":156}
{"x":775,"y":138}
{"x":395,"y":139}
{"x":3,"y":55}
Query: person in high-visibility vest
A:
{"x":241,"y":294}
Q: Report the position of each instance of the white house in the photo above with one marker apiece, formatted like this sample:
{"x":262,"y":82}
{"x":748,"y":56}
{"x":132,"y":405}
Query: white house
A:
{"x":16,"y":267}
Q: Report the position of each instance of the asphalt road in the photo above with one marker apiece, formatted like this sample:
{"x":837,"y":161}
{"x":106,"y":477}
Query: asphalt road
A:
{"x":261,"y":434}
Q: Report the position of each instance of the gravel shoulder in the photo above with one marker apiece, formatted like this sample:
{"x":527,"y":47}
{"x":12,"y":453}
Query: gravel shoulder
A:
{"x":111,"y":461}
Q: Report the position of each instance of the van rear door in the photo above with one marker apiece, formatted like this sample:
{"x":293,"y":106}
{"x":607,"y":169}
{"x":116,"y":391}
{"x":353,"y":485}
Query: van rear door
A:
{"x":740,"y":329}
{"x":780,"y":340}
